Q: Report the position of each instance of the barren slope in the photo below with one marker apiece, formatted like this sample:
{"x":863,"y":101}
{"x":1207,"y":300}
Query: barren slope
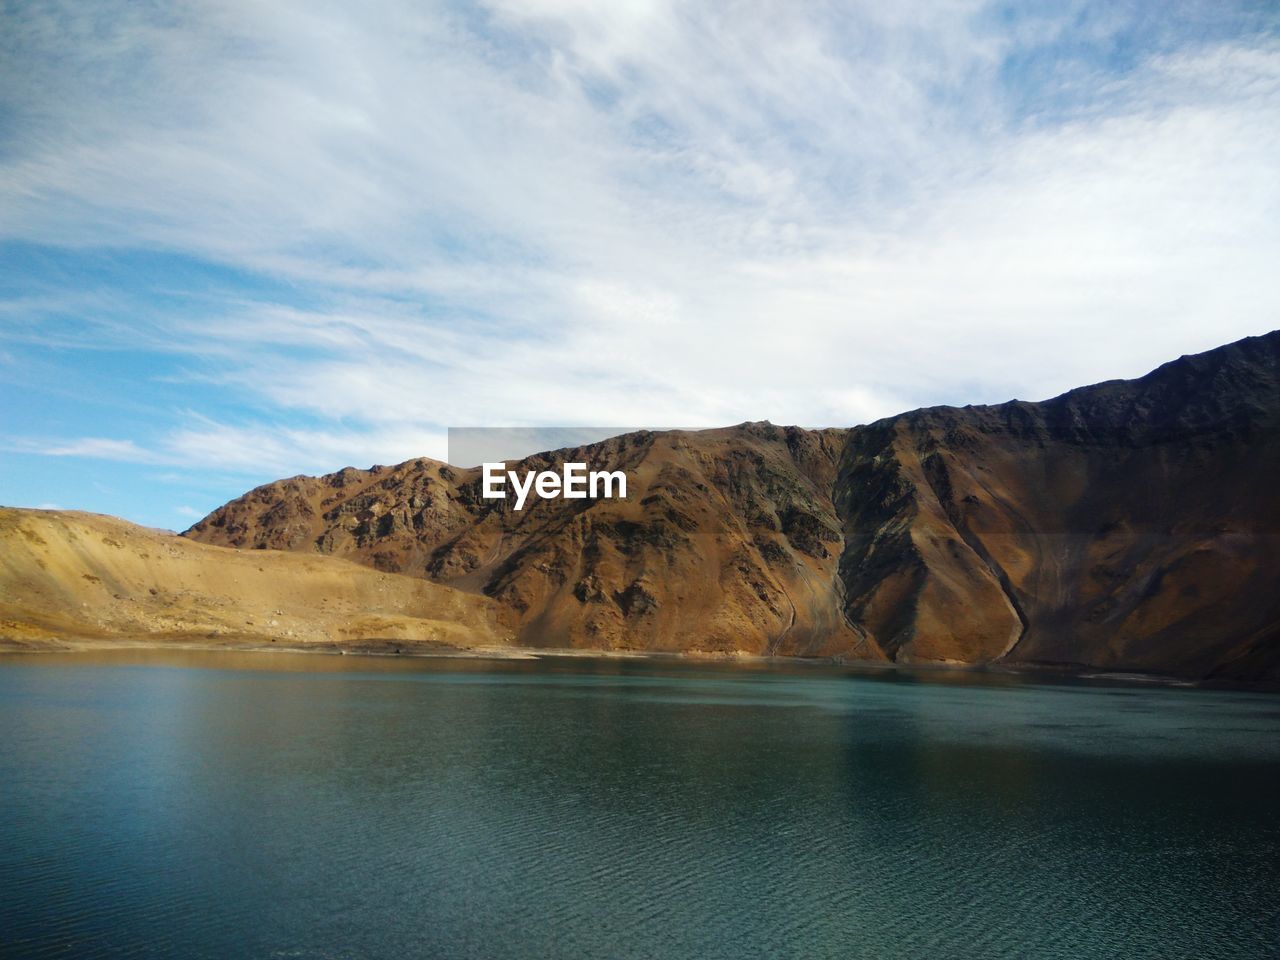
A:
{"x":73,"y":576}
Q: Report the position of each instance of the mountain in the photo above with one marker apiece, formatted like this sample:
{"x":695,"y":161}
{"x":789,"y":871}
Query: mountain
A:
{"x":68,"y":577}
{"x":727,"y":542}
{"x":1130,"y":525}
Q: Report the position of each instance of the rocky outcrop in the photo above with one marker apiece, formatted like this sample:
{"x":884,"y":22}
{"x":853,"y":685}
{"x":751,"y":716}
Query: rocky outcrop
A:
{"x":1130,"y":525}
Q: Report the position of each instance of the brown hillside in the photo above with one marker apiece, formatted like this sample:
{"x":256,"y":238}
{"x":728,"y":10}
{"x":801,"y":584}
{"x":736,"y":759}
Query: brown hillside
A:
{"x":1130,"y":525}
{"x":727,"y":541}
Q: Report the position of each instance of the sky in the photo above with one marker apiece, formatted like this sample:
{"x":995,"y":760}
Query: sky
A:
{"x":241,"y":241}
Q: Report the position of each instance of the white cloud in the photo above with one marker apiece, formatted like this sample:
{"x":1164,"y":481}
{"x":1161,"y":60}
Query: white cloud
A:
{"x":546,"y":212}
{"x":99,"y":448}
{"x":250,"y":449}
{"x":254,"y":447}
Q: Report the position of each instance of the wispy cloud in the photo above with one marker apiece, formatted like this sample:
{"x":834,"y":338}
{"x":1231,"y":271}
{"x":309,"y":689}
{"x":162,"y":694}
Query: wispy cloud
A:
{"x":642,"y":212}
{"x":246,"y":449}
{"x":100,"y":448}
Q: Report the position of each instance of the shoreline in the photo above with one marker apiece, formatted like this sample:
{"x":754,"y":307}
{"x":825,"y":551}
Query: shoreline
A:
{"x":410,"y":650}
{"x":394,"y":650}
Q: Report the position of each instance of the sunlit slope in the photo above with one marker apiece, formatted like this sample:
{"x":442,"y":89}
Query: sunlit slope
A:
{"x":79,"y":576}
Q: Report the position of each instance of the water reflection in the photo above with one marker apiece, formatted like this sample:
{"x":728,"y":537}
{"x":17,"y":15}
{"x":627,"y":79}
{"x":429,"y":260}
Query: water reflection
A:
{"x":207,"y":804}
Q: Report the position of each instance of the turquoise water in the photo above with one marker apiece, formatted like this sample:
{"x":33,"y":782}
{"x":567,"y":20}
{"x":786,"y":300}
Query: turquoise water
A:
{"x":220,"y":805}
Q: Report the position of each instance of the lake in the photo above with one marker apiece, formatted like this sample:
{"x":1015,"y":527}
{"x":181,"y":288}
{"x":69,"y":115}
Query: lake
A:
{"x":167,"y":804}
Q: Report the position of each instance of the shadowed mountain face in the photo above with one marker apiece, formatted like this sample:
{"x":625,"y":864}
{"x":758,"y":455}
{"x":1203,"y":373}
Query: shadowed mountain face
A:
{"x":1127,"y":525}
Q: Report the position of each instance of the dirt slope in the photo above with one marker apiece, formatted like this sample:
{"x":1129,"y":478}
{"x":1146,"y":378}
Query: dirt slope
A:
{"x":75,"y":576}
